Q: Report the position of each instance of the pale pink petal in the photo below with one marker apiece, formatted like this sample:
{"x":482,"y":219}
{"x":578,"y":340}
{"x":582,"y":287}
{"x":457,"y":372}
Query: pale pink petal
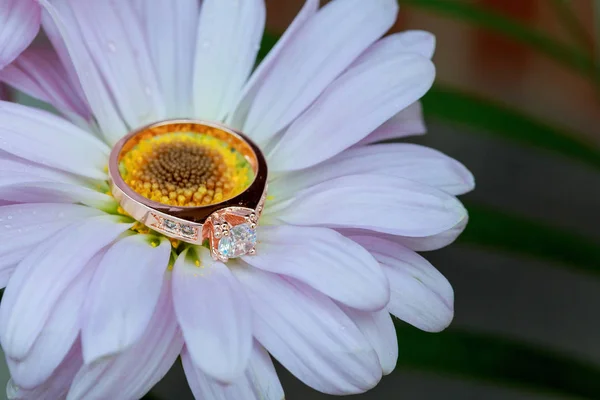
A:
{"x":379,"y":330}
{"x":50,"y":140}
{"x":229,"y":35}
{"x":414,"y":41}
{"x":58,"y":335}
{"x":325,"y":260}
{"x":42,"y":277}
{"x":24,"y":226}
{"x":16,"y":169}
{"x":435,"y":242}
{"x":214,"y":315}
{"x":410,"y":161}
{"x":309,"y":334}
{"x":408,"y":122}
{"x":259,"y":382}
{"x":380,"y":203}
{"x":258,"y":77}
{"x":39,"y":73}
{"x":322,"y":49}
{"x":123,"y":295}
{"x":353,"y":106}
{"x":28,"y":190}
{"x":67,"y":37}
{"x":115,"y":39}
{"x":427,"y":243}
{"x":421,"y":295}
{"x":57,"y":386}
{"x":19,"y":24}
{"x":132,"y":373}
{"x":170,"y":29}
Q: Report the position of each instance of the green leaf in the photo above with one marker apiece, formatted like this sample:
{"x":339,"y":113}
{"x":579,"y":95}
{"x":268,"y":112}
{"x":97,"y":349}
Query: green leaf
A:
{"x":537,"y":40}
{"x":497,"y":360}
{"x":509,"y":233}
{"x":458,"y":107}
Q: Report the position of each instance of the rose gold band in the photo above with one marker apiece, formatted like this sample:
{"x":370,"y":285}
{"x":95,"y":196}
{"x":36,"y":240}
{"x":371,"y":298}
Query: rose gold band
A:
{"x":192,"y":224}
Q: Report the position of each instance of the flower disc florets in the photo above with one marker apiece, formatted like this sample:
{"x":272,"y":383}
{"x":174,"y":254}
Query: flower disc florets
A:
{"x":185,"y":169}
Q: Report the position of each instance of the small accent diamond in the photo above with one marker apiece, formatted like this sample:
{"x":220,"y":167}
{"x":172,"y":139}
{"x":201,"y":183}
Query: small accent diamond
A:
{"x":188,"y":230}
{"x":172,"y":225}
{"x":241,"y":239}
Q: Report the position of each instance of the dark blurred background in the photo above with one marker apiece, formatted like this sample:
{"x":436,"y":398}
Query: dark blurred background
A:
{"x":517,"y":101}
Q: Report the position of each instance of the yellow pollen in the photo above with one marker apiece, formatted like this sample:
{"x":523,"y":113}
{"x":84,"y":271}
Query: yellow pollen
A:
{"x":185,"y":169}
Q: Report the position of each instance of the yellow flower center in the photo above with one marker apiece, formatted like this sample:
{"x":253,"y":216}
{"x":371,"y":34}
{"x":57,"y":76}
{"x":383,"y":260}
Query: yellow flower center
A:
{"x":186,"y":169}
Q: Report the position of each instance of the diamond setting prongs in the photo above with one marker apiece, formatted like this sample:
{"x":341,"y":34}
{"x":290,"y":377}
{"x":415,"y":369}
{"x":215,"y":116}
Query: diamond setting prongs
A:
{"x":232,"y":233}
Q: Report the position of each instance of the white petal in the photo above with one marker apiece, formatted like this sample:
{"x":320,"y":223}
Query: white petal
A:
{"x":259,"y":382}
{"x":309,"y":334}
{"x":353,"y":106}
{"x":24,"y":226}
{"x":47,"y":139}
{"x":57,"y":337}
{"x":115,"y":40}
{"x":170,"y":28}
{"x":435,"y":242}
{"x":376,"y":202}
{"x":40,"y":73}
{"x":57,"y":386}
{"x":19,"y":24}
{"x":416,"y":42}
{"x":325,"y":260}
{"x":132,"y":373}
{"x":408,"y":122}
{"x":67,"y":37}
{"x":214,"y":315}
{"x":426,"y":243}
{"x":261,"y":73}
{"x":123,"y":296}
{"x":27,"y":190}
{"x":421,"y":295}
{"x":410,"y":161}
{"x":42,"y":277}
{"x":12,"y":167}
{"x":229,"y":35}
{"x":322,"y":49}
{"x":379,"y":330}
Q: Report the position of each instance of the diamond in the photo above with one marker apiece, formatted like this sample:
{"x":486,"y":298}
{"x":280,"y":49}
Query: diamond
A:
{"x":241,"y":239}
{"x":188,"y":230}
{"x":172,"y":225}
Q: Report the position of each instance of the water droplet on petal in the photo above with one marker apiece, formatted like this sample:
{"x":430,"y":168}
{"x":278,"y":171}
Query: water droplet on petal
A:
{"x":112,"y":46}
{"x":8,"y":226}
{"x":9,"y":217}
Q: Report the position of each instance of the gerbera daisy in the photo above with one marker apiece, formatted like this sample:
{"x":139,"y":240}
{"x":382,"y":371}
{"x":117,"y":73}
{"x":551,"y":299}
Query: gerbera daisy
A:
{"x":98,"y":306}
